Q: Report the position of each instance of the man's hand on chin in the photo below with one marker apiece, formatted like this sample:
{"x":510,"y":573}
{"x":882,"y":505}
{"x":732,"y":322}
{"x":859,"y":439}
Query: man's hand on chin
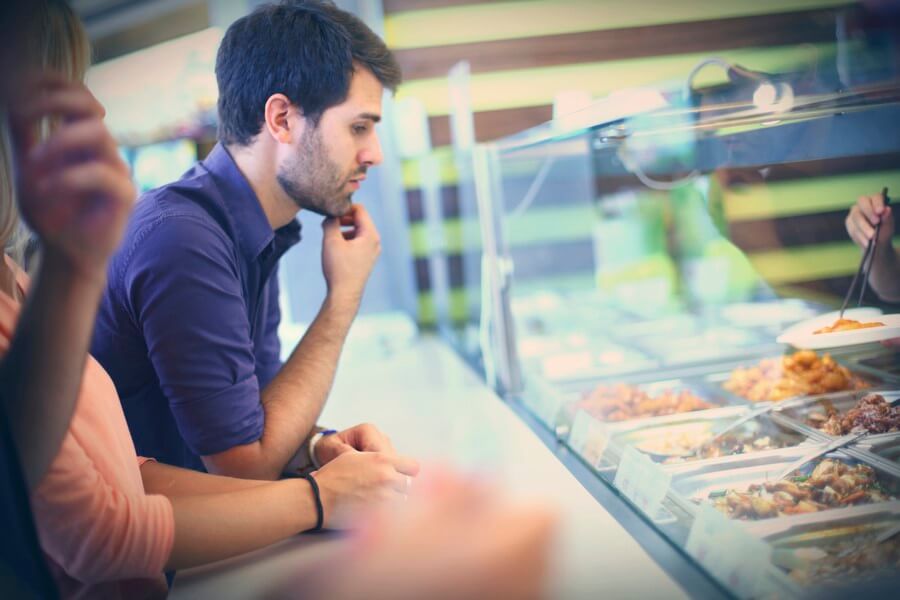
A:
{"x":362,"y":438}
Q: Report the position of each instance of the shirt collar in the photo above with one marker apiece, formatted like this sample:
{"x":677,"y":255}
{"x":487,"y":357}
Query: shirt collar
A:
{"x":250,"y":222}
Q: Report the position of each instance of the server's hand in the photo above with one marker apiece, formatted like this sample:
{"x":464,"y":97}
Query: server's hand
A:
{"x":74,"y":190}
{"x":360,"y":480}
{"x":349,"y":256}
{"x":865,"y":215}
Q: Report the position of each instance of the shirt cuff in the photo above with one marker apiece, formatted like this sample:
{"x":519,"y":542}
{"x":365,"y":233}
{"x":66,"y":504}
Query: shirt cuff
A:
{"x":223,"y":420}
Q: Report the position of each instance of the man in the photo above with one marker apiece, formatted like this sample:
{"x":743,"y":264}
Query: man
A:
{"x":187,"y":327}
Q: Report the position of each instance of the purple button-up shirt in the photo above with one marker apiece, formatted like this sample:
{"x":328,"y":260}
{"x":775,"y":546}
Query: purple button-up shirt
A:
{"x":187,"y":328}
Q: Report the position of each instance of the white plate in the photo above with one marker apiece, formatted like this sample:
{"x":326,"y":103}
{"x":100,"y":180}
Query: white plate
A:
{"x":801,"y":334}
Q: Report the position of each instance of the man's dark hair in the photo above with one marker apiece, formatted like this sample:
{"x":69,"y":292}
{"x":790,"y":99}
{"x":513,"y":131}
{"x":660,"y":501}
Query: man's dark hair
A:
{"x":304,"y":49}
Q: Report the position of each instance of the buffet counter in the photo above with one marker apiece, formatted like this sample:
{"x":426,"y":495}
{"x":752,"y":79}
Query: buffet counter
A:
{"x":437,"y":409}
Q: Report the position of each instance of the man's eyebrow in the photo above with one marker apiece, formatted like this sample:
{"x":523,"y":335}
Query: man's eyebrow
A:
{"x":370,"y":116}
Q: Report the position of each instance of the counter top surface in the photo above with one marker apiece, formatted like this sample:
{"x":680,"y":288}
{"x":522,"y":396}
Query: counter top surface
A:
{"x":437,"y":409}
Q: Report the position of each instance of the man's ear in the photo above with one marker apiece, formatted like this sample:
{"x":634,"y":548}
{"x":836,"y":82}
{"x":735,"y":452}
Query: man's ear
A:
{"x":284,"y":120}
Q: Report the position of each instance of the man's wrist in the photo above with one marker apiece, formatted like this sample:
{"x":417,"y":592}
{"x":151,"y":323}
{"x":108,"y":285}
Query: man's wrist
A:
{"x":345,"y":302}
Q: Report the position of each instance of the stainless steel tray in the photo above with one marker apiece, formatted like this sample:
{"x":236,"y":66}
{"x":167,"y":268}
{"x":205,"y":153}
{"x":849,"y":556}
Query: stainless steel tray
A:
{"x":571,"y":395}
{"x":709,"y":345}
{"x":718,"y":378}
{"x":798,"y":414}
{"x":697,"y":425}
{"x":880,"y":361}
{"x":592,"y":362}
{"x":696,"y":480}
{"x":858,"y":527}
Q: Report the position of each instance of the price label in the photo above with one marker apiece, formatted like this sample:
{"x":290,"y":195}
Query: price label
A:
{"x":731,"y":554}
{"x":589,"y":437}
{"x":642,"y":481}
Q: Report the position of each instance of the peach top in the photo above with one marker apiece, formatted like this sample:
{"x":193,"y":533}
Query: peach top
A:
{"x":104,"y":537}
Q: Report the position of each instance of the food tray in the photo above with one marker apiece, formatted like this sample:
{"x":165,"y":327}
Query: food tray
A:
{"x":572,"y":394}
{"x":718,"y":378}
{"x":596,"y":361}
{"x":885,"y":447}
{"x":697,"y":480}
{"x":798,"y":550}
{"x":798,"y":415}
{"x":715,"y":344}
{"x":880,"y":361}
{"x":770,"y":314}
{"x":678,"y":325}
{"x":698,"y":426}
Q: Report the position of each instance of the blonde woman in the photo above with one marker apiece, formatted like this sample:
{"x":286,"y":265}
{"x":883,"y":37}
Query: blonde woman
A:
{"x":110,"y":522}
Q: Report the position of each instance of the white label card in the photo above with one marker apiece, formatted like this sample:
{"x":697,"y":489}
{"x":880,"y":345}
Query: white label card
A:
{"x":589,"y":437}
{"x":642,"y":481}
{"x":729,"y":552}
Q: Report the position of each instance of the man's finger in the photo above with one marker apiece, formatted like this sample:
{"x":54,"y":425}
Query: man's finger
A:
{"x":403,"y":464}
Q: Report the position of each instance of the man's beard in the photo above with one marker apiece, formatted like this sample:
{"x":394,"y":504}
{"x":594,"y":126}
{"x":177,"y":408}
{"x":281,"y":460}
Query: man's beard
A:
{"x":313,"y":181}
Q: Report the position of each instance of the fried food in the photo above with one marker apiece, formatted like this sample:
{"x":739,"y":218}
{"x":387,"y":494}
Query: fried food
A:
{"x":847,"y":325}
{"x":800,"y":374}
{"x":856,"y":559}
{"x":832,"y":484}
{"x":621,"y":402}
{"x":872,"y":413}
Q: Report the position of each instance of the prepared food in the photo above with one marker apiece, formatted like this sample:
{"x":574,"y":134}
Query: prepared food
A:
{"x":847,"y":325}
{"x":852,"y":559}
{"x":620,"y":402}
{"x":872,"y":413}
{"x":832,"y":484}
{"x":803,"y":373}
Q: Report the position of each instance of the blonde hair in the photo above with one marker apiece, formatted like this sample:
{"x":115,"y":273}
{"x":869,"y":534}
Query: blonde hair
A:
{"x":52,"y":39}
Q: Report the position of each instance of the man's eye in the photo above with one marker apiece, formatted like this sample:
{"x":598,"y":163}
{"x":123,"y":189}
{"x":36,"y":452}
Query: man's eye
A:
{"x":360,"y":129}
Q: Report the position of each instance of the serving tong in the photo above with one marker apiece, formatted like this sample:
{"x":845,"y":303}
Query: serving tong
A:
{"x":865,"y":265}
{"x":834,"y":445}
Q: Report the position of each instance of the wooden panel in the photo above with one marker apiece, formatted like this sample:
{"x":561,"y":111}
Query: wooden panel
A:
{"x":771,"y":234}
{"x":518,"y":88}
{"x":492,"y":124}
{"x":634,"y":42}
{"x":395,"y":6}
{"x":491,"y":21}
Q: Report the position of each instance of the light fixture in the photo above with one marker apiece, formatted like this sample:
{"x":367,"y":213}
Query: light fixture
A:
{"x":769,"y":96}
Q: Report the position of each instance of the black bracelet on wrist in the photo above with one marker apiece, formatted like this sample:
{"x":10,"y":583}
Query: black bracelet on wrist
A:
{"x":320,"y":511}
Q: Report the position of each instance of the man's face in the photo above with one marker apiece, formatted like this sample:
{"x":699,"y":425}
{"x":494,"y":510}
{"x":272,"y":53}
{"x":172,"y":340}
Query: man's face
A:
{"x":328,"y":162}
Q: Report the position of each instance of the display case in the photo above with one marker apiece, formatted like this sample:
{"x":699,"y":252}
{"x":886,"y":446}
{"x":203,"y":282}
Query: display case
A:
{"x":640,"y":259}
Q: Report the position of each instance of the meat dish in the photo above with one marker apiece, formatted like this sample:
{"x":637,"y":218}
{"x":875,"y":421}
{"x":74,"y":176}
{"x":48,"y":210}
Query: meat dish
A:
{"x":621,"y":402}
{"x":832,"y":484}
{"x":872,"y":413}
{"x":803,"y":373}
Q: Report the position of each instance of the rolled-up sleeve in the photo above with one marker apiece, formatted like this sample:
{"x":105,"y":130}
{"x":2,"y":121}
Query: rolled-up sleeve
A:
{"x":185,"y":292}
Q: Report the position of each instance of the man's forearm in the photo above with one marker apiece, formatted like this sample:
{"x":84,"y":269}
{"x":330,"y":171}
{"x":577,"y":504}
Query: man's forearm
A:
{"x":294,"y":399}
{"x":885,"y":275}
{"x":41,"y":374}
